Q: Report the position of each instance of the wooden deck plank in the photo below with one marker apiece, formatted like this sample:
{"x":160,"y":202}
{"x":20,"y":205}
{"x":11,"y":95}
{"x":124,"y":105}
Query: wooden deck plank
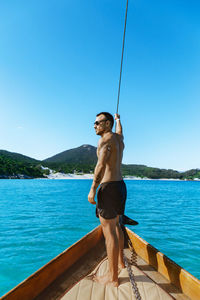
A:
{"x":183,"y":280}
{"x":74,"y":274}
{"x":95,"y":291}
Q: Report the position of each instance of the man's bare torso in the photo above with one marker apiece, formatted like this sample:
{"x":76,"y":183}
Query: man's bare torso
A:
{"x":115,"y":146}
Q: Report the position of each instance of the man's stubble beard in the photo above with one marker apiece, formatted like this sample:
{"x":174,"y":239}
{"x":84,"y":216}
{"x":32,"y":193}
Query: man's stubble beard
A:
{"x":99,"y":132}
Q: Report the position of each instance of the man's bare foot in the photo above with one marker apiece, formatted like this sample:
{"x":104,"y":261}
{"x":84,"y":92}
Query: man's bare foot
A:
{"x":106,"y":280}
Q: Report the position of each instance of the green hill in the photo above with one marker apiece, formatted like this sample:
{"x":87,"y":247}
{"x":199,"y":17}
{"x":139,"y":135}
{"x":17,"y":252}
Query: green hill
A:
{"x":83,"y":154}
{"x":80,"y":159}
{"x":18,"y":157}
{"x":153,"y":173}
{"x":191,"y":174}
{"x":15,"y":165}
{"x":83,"y":159}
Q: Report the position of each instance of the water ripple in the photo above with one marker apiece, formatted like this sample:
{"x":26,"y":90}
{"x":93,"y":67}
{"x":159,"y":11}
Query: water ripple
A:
{"x":41,"y":218}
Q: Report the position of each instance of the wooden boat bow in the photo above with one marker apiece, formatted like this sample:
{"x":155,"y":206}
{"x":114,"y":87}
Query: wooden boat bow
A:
{"x":65,"y":277}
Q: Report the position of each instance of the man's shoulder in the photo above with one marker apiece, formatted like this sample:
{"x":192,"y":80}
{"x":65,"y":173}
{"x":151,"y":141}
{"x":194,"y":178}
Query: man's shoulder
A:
{"x":109,"y":138}
{"x":106,"y":141}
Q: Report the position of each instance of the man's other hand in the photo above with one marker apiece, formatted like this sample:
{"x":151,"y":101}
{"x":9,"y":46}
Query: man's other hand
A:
{"x":91,"y":196}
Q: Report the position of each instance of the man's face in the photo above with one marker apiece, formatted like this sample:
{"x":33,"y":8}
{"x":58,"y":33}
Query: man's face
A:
{"x":101,"y":124}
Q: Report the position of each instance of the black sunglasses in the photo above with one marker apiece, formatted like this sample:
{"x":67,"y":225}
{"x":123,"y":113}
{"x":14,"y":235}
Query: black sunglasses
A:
{"x":98,"y":122}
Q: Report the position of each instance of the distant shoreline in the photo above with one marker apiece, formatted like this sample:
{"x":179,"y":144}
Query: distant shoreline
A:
{"x":85,"y":176}
{"x":90,"y":176}
{"x":75,"y":163}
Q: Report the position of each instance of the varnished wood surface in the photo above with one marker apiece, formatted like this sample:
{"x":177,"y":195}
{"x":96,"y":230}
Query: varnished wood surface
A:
{"x":183,"y":280}
{"x":157,"y":278}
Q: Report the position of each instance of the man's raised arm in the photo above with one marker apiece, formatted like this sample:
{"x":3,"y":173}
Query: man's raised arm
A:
{"x":104,"y":153}
{"x":118,"y":128}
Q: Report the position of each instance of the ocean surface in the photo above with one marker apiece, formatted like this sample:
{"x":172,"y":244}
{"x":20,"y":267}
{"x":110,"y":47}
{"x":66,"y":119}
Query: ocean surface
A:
{"x":41,"y":218}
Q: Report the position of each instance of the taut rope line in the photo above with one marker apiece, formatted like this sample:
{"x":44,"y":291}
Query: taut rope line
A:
{"x":120,"y":76}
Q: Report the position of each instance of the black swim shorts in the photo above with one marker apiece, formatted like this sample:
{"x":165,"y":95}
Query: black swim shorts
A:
{"x":111,"y":198}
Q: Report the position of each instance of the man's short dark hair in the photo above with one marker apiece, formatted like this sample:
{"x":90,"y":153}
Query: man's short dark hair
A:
{"x":108,"y":116}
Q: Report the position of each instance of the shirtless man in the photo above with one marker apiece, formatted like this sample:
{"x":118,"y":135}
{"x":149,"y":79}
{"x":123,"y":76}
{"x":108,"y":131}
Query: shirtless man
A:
{"x":111,"y":195}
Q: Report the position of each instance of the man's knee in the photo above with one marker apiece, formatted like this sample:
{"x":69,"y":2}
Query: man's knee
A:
{"x":108,"y":225}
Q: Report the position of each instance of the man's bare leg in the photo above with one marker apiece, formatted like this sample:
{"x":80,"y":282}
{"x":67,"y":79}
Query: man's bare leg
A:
{"x":112,"y":248}
{"x":120,"y":236}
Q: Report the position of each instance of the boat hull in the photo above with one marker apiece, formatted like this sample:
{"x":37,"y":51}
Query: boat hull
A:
{"x":63,"y":272}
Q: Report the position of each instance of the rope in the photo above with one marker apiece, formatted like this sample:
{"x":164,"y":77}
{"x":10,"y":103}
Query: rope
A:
{"x":132,"y":279}
{"x":133,"y":262}
{"x":120,"y":76}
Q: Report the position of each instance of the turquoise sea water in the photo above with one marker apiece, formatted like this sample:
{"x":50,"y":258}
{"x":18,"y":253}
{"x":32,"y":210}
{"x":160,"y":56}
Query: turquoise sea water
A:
{"x":41,"y":218}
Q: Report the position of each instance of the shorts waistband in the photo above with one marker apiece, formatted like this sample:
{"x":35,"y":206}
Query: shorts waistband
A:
{"x":110,"y":182}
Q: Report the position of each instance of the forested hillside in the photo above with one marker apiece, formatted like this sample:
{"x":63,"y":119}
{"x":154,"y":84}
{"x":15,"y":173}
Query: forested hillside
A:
{"x":79,"y":160}
{"x":14,"y":165}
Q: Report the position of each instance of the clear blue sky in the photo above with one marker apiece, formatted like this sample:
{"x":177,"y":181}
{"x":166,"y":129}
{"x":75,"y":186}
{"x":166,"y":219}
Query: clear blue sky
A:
{"x":59,"y":66}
